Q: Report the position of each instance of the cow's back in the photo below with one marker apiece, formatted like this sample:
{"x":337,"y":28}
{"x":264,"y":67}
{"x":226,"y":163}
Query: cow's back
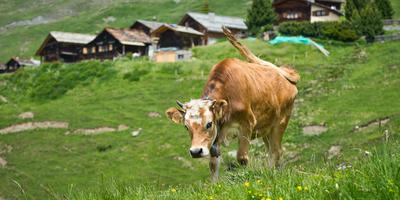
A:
{"x":252,"y":88}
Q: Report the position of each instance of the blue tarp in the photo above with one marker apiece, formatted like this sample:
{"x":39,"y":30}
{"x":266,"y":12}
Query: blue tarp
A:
{"x":286,"y":39}
{"x":298,"y":40}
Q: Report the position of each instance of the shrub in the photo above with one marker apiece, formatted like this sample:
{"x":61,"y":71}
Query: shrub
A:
{"x":342,"y":31}
{"x":135,"y":74}
{"x":51,"y":81}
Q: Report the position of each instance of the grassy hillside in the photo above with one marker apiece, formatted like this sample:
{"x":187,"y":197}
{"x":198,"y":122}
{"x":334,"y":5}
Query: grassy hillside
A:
{"x":356,"y":84}
{"x":90,"y":17}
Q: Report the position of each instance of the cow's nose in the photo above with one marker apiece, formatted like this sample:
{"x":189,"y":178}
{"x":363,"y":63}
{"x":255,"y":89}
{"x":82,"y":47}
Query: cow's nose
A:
{"x":196,"y":152}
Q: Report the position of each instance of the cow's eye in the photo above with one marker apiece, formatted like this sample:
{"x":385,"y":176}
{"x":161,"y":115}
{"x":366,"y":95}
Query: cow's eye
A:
{"x":186,"y":127}
{"x":209,"y":124}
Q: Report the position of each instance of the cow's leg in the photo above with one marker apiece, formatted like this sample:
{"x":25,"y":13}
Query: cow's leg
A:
{"x":214,"y":168}
{"x":244,"y":144}
{"x":275,"y":142}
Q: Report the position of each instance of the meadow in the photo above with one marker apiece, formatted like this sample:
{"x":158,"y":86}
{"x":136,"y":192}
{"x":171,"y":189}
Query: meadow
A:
{"x":356,"y":84}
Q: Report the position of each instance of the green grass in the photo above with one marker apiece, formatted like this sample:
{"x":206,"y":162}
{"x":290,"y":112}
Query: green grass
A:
{"x":356,"y":84}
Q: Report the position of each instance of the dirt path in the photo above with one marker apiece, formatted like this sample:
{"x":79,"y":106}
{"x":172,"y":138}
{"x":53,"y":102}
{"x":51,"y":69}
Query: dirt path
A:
{"x":33,"y":125}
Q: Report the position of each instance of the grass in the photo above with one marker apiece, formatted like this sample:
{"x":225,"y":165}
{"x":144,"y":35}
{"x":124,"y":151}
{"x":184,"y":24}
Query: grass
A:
{"x":356,"y":84}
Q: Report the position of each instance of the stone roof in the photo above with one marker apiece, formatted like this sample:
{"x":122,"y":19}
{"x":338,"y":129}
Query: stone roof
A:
{"x":152,"y":25}
{"x":214,"y":23}
{"x":25,"y":62}
{"x":177,"y":28}
{"x":76,"y":38}
{"x":129,"y":37}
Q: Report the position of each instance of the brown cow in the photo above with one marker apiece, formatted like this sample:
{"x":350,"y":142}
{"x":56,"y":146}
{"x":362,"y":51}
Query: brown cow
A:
{"x":256,"y":97}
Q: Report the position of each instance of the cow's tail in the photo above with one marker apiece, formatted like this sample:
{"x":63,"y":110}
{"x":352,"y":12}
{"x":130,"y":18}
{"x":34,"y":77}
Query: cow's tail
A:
{"x":290,"y":74}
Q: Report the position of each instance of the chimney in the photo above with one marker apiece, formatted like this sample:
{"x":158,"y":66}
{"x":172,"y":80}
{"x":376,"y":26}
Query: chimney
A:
{"x":211,"y":16}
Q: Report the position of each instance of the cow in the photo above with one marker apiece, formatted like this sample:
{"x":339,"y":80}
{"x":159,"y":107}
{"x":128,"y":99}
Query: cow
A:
{"x":255,"y":97}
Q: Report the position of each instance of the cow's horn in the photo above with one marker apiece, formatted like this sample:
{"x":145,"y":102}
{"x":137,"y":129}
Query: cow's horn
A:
{"x":179,"y":104}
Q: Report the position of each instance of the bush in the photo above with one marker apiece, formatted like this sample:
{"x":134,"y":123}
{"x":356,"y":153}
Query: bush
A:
{"x":51,"y":81}
{"x":342,"y":31}
{"x":135,"y":74}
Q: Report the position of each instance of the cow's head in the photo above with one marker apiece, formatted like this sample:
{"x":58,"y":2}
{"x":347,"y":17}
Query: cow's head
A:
{"x":200,"y":118}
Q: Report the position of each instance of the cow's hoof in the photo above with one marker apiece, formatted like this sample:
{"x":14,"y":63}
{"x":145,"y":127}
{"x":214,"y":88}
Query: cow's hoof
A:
{"x":243,"y":161}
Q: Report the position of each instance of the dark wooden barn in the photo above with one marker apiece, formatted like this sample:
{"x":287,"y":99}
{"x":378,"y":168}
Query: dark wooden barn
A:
{"x":2,"y":68}
{"x":308,"y":10}
{"x":146,"y":26}
{"x":111,"y":43}
{"x":15,"y":63}
{"x":211,"y":25}
{"x":63,"y":46}
{"x":178,"y":37}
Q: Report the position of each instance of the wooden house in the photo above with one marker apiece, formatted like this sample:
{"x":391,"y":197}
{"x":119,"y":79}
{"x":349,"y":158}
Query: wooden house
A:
{"x":15,"y":63}
{"x":63,"y":46}
{"x":211,"y":25}
{"x":111,"y":43}
{"x":2,"y":68}
{"x":308,"y":10}
{"x":146,"y":26}
{"x":175,"y":36}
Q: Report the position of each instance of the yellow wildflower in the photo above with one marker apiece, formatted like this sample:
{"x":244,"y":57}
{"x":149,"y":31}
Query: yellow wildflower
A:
{"x":173,"y":190}
{"x":305,"y":188}
{"x":299,"y":188}
{"x":259,"y":181}
{"x":210,"y":198}
{"x":247,"y":184}
{"x":280,"y":198}
{"x":268,"y":198}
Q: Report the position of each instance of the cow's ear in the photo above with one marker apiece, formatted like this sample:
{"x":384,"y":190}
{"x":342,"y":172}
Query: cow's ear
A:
{"x":175,"y":115}
{"x":219,"y":108}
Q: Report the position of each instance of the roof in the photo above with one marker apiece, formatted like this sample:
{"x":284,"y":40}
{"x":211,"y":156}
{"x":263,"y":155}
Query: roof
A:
{"x":177,"y":28}
{"x":129,"y":37}
{"x":25,"y":62}
{"x":214,"y":22}
{"x":67,"y":37}
{"x":152,"y":25}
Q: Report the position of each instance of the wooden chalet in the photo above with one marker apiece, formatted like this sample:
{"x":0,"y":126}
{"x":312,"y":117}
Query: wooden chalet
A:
{"x":15,"y":63}
{"x":211,"y":25}
{"x":111,"y":43}
{"x":2,"y":68}
{"x":146,"y":26}
{"x":63,"y":46}
{"x":308,"y":10}
{"x":178,"y":37}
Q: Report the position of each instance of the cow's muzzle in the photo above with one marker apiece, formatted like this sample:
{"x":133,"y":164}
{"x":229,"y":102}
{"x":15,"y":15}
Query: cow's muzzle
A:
{"x":198,"y":152}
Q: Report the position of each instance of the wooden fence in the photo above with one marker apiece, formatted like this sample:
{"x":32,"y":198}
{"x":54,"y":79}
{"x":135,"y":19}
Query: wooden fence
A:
{"x":391,"y":22}
{"x":384,"y":38}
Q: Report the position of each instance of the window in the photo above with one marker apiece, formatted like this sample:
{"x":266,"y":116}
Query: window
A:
{"x":110,"y":47}
{"x":292,"y":15}
{"x":85,"y":50}
{"x":320,"y":13}
{"x":101,"y":49}
{"x":93,"y":49}
{"x":180,"y":56}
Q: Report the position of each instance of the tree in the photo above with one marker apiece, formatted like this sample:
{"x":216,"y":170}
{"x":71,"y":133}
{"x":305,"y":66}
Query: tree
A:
{"x":385,"y":8}
{"x":368,"y":22}
{"x":260,"y":14}
{"x":349,"y":9}
{"x":206,"y":7}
